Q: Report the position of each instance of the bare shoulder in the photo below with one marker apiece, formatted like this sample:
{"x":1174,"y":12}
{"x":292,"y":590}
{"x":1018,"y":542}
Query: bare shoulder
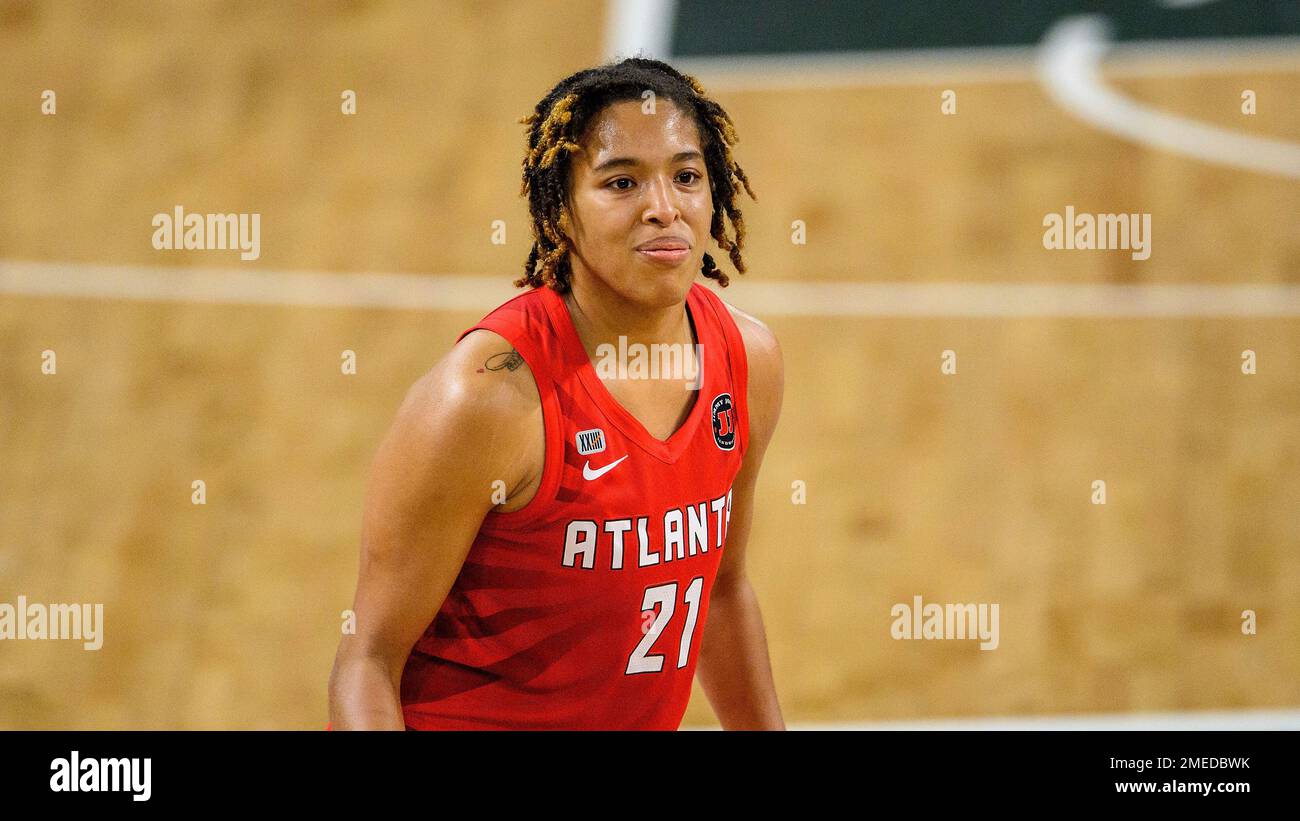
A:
{"x":486,"y":361}
{"x":479,"y":404}
{"x":762,"y":350}
{"x":482,"y":374}
{"x":760,"y":342}
{"x":766,"y":371}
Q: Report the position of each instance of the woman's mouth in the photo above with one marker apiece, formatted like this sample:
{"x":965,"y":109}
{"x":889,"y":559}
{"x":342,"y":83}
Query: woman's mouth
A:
{"x":666,"y":256}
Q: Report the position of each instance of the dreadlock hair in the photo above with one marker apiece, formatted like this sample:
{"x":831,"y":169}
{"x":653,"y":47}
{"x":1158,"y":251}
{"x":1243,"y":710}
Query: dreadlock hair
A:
{"x":559,"y":121}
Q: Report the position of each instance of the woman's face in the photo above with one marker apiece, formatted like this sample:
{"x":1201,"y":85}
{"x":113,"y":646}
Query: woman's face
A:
{"x":640,"y":177}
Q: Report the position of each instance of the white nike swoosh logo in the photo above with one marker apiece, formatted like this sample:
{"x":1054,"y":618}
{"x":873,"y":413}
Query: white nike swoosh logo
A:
{"x":588,"y":473}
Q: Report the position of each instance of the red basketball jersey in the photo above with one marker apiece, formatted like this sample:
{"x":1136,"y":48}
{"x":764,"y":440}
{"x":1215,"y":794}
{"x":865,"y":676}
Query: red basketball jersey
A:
{"x":586,"y":608}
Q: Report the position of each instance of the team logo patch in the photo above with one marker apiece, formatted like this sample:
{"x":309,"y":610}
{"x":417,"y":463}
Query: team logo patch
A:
{"x":724,"y":422}
{"x":590,"y":441}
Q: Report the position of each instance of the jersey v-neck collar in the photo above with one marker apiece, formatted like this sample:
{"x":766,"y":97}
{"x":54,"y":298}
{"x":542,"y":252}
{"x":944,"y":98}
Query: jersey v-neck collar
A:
{"x":668,"y":450}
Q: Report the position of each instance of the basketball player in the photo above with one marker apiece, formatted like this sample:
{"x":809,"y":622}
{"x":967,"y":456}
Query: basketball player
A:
{"x":546,"y":546}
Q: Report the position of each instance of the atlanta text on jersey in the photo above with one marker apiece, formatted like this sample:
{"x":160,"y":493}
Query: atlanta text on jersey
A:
{"x":685,"y":533}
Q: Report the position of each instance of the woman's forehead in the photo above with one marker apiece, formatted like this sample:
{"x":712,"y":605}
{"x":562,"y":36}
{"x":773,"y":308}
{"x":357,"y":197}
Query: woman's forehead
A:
{"x":626,"y":130}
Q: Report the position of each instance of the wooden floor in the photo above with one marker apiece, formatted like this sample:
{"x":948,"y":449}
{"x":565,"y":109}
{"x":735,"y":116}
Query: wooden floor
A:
{"x":973,"y":487}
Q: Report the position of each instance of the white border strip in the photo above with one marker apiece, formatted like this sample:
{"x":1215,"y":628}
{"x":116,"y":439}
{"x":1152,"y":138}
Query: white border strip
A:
{"x":984,"y":64}
{"x":803,"y":72}
{"x":1209,"y":720}
{"x":1070,"y":70}
{"x":469,"y":292}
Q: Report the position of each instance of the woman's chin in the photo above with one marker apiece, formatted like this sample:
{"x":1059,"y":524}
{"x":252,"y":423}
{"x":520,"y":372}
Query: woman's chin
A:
{"x":670,"y":290}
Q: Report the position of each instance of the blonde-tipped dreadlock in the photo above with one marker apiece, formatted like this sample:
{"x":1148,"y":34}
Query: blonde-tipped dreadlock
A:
{"x":560,"y":119}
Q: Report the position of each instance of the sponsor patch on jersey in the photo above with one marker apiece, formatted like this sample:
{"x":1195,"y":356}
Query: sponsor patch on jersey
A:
{"x":590,"y":441}
{"x":724,"y":422}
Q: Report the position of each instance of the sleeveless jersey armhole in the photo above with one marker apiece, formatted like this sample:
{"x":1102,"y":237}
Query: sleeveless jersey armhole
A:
{"x":737,"y":359}
{"x":552,"y":460}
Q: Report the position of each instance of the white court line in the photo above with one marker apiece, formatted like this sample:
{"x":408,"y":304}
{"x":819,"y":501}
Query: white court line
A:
{"x":1208,"y":720}
{"x":249,"y":286}
{"x":481,"y":293}
{"x":1070,"y":69}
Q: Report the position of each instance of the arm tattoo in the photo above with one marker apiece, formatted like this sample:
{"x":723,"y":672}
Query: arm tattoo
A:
{"x":510,"y":361}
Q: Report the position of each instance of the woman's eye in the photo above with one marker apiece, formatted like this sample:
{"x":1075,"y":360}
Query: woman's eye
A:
{"x":615,"y":183}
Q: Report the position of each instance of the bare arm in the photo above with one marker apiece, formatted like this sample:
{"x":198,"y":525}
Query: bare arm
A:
{"x":460,"y":428}
{"x":734,"y":669}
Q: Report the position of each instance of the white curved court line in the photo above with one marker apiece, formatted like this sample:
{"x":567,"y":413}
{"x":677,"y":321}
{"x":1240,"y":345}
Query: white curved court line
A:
{"x":1069,"y":68}
{"x":481,"y":293}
